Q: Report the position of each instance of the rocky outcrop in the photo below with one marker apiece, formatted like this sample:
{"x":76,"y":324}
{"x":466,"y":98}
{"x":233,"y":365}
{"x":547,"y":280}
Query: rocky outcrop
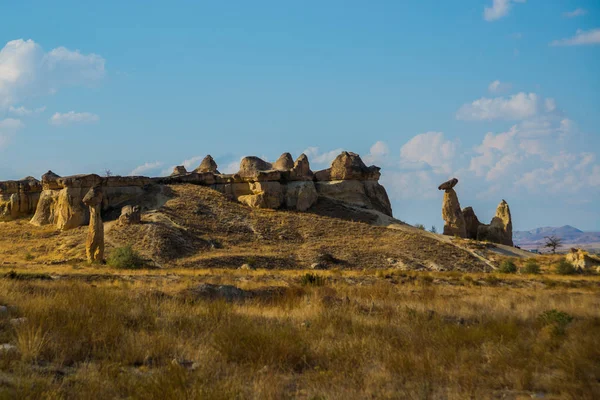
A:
{"x":454,"y":221}
{"x":471,"y":222}
{"x":252,"y":166}
{"x":130,"y":215}
{"x":500,"y":229}
{"x":94,"y":245}
{"x":179,"y":170}
{"x":581,"y":260}
{"x":348,"y":166}
{"x":448,"y":184}
{"x":19,"y":199}
{"x":61,"y":201}
{"x":284,"y":162}
{"x":208,"y":165}
{"x":258,"y":183}
{"x":464,"y":223}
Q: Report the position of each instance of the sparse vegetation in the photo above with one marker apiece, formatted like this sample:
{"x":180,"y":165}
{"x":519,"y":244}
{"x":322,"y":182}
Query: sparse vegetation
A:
{"x":433,"y":229}
{"x":125,"y":258}
{"x":531,"y":267}
{"x":507,"y":267}
{"x":563,"y":267}
{"x":420,"y":226}
{"x":553,"y":242}
{"x":137,"y":339}
{"x":310,"y":279}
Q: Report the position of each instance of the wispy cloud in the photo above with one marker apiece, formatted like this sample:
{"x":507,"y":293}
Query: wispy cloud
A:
{"x":25,"y":112}
{"x":499,"y":9}
{"x":499,"y":87}
{"x":73,"y":117}
{"x":149,"y":166}
{"x":578,"y":12}
{"x":581,"y":38}
{"x":519,"y":106}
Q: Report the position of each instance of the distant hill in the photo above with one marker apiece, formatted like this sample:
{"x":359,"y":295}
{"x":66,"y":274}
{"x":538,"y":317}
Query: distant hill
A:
{"x":571,"y":236}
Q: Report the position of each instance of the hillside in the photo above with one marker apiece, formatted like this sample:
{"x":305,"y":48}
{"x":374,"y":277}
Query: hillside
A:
{"x":200,"y":228}
{"x":571,"y":236}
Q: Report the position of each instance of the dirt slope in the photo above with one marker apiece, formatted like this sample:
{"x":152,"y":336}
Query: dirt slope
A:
{"x":200,"y":228}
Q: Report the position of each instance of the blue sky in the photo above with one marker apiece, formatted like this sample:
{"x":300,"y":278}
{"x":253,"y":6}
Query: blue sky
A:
{"x":503,"y":94}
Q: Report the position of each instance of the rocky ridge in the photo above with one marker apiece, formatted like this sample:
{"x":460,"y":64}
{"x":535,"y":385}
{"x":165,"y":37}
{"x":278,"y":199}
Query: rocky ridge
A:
{"x":286,"y":184}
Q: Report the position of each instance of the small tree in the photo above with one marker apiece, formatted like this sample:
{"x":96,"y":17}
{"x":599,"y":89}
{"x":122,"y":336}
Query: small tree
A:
{"x":553,"y":242}
{"x":420,"y":226}
{"x":108,"y":173}
{"x":433,"y":229}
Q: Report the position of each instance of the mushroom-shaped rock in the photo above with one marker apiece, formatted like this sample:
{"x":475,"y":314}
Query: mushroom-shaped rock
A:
{"x":349,"y":166}
{"x":284,"y":162}
{"x":130,"y":215}
{"x":448,"y":184}
{"x":179,"y":170}
{"x":251,"y":166}
{"x":94,"y":245}
{"x":454,"y":221}
{"x":208,"y":164}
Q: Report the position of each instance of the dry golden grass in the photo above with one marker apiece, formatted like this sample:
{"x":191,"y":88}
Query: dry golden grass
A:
{"x":363,"y":330}
{"x":92,"y":333}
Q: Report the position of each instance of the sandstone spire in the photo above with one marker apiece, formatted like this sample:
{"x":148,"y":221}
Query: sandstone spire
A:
{"x":94,"y":245}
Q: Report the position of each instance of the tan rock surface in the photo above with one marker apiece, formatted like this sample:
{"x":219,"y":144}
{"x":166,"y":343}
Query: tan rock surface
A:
{"x":94,"y":245}
{"x":454,"y":221}
{"x":208,"y":164}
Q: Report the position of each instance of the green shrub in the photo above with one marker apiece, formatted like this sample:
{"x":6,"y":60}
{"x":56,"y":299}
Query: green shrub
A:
{"x":29,"y":256}
{"x":125,"y":258}
{"x":310,"y":279}
{"x":507,"y":267}
{"x":558,"y":319}
{"x":420,"y":226}
{"x":564,"y":268}
{"x":531,"y":267}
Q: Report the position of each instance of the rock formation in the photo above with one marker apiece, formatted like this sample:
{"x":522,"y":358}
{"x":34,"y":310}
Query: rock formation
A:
{"x":94,"y":245}
{"x":581,"y":260}
{"x":179,"y":170}
{"x":130,"y":215}
{"x":448,"y":184}
{"x":60,"y":202}
{"x":258,"y":183}
{"x":454,"y":221}
{"x":284,"y":162}
{"x":19,"y":198}
{"x":471,"y":222}
{"x":208,"y":165}
{"x":500,"y":229}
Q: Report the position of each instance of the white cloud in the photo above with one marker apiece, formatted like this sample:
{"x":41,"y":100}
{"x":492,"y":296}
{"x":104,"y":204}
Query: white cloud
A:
{"x":431,"y":149}
{"x":519,"y":106}
{"x":149,"y":166}
{"x":581,"y":38}
{"x":377,"y":154}
{"x":578,"y":12}
{"x":499,"y":9}
{"x":322,"y":159}
{"x":8,"y":128}
{"x":24,"y":112}
{"x":26,"y":70}
{"x":73,"y":117}
{"x":499,"y":87}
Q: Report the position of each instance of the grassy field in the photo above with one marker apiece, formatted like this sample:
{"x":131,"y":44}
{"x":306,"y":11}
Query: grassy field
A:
{"x":98,"y":333}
